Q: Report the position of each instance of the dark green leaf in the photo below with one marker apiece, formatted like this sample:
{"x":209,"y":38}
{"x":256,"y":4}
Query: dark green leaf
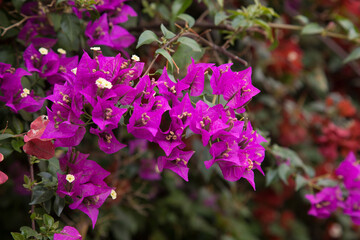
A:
{"x":240,"y":21}
{"x":354,"y":55}
{"x":17,"y":144}
{"x":40,"y":194}
{"x":55,"y":20}
{"x":312,"y":28}
{"x":28,"y":232}
{"x":70,"y":26}
{"x":300,"y":181}
{"x":147,"y":37}
{"x":287,"y":154}
{"x":349,"y":27}
{"x":5,"y":136}
{"x":18,"y":3}
{"x":164,"y":11}
{"x":187,"y":18}
{"x":59,"y":204}
{"x":18,"y":125}
{"x":17,"y":236}
{"x":167,"y":33}
{"x":326,"y":182}
{"x":219,"y":17}
{"x":302,"y":19}
{"x":48,"y":220}
{"x":165,"y":54}
{"x":270,"y":176}
{"x":190,"y":43}
{"x":179,"y":6}
{"x":266,"y":27}
{"x":284,"y":171}
{"x":183,"y":55}
{"x":53,"y":166}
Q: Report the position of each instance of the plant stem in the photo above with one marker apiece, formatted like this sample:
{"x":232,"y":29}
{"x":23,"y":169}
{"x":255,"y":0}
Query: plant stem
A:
{"x":32,"y":179}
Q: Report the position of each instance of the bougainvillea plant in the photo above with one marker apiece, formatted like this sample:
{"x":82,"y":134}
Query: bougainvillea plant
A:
{"x":117,"y":112}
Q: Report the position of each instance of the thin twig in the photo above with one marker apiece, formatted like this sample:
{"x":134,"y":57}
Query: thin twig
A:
{"x":218,"y":48}
{"x":5,"y":29}
{"x":163,"y":47}
{"x":32,"y":179}
{"x":336,"y":48}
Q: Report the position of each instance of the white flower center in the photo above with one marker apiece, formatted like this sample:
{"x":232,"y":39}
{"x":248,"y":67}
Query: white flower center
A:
{"x":103,"y":83}
{"x":113,"y":194}
{"x":43,"y":51}
{"x":95,"y":48}
{"x":74,"y":70}
{"x":70,"y":178}
{"x":25,"y":92}
{"x":61,"y":51}
{"x":135,"y":58}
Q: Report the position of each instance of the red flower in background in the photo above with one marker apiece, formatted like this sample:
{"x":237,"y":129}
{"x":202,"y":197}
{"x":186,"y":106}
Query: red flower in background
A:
{"x":42,"y":148}
{"x":286,"y":59}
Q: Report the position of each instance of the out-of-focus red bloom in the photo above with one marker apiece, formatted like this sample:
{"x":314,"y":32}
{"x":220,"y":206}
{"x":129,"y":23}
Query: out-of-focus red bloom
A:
{"x":286,"y":59}
{"x":3,"y":176}
{"x":345,"y":108}
{"x":292,"y":129}
{"x":42,"y":148}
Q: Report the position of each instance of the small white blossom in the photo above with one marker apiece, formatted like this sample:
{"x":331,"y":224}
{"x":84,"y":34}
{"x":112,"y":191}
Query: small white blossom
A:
{"x":70,"y":178}
{"x":135,"y":58}
{"x":95,"y":48}
{"x":74,"y":70}
{"x":113,"y":194}
{"x":25,"y":92}
{"x":43,"y":51}
{"x":61,"y":51}
{"x":103,"y":83}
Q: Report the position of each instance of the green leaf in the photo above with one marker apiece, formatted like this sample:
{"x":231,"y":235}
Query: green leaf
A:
{"x":179,"y":6}
{"x":165,"y":54}
{"x":284,"y":171}
{"x":312,"y":28}
{"x":55,"y":20}
{"x":18,"y":3}
{"x":300,"y":181}
{"x":59,"y":204}
{"x":287,"y":154}
{"x":219,"y":17}
{"x":270,"y":176}
{"x":17,"y":144}
{"x":28,"y":232}
{"x":18,"y":125}
{"x":147,"y":37}
{"x":164,"y":11}
{"x":325,"y":182}
{"x":240,"y":22}
{"x":70,"y":26}
{"x":317,"y":80}
{"x":5,"y":136}
{"x":190,"y":43}
{"x":187,"y":18}
{"x":183,"y":55}
{"x":349,"y":27}
{"x":266,"y":27}
{"x":354,"y":55}
{"x":17,"y":236}
{"x":167,"y":33}
{"x":48,"y":220}
{"x":302,"y":19}
{"x":40,"y":194}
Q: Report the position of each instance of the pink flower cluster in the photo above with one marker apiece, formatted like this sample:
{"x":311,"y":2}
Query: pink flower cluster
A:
{"x":345,"y":195}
